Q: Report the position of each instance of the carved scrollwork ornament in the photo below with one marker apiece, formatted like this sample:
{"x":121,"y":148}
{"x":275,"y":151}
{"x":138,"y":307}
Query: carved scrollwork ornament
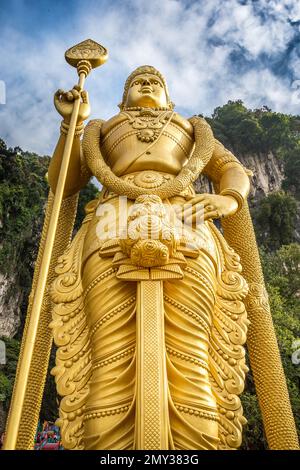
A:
{"x":257,"y":297}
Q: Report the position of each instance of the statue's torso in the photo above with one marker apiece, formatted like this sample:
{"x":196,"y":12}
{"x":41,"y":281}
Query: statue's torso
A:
{"x":147,"y":140}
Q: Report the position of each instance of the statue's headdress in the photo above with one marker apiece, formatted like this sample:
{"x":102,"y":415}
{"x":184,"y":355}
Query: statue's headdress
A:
{"x":139,"y":71}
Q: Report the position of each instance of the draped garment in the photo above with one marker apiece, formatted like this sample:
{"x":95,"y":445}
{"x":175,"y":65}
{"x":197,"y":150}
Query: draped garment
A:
{"x":94,"y":324}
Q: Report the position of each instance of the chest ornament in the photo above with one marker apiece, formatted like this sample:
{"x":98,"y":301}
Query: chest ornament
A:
{"x":148,"y":123}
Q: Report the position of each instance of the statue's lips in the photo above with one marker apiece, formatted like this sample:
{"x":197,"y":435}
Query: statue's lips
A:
{"x":145,"y":90}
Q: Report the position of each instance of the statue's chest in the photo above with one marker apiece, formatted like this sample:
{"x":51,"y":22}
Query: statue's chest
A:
{"x":149,"y":136}
{"x":144,"y":127}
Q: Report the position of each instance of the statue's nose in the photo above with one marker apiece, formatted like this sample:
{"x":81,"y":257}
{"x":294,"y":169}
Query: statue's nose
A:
{"x":146,"y":82}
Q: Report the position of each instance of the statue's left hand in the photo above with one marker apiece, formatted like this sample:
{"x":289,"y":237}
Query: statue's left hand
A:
{"x":212,"y":206}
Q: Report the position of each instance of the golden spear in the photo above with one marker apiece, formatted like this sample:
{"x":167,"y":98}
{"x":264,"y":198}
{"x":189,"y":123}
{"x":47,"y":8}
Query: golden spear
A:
{"x":84,"y":56}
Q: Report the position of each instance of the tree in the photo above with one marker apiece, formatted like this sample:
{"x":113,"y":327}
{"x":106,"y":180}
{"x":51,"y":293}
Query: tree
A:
{"x":276,"y":130}
{"x":236,"y":126}
{"x":282,"y":270}
{"x":292,"y":171}
{"x":261,"y":130}
{"x":275,"y":219}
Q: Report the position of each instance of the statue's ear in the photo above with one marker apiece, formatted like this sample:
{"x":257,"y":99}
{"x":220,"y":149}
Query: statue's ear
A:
{"x":120,"y":106}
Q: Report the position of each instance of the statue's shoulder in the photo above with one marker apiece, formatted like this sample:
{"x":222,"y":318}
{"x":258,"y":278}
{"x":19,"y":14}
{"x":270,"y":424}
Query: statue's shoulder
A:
{"x":112,"y":122}
{"x":188,"y":123}
{"x":183,"y":123}
{"x":106,"y":126}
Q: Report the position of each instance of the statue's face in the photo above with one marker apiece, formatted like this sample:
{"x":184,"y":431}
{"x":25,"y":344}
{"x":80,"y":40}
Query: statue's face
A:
{"x":146,"y":90}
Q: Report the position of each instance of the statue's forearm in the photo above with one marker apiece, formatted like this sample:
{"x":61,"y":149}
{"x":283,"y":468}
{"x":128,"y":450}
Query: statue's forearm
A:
{"x":75,"y":179}
{"x":234,"y":182}
{"x":227,"y":174}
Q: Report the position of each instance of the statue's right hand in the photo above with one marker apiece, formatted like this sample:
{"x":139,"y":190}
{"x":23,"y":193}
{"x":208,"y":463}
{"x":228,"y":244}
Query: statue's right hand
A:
{"x":64,"y":101}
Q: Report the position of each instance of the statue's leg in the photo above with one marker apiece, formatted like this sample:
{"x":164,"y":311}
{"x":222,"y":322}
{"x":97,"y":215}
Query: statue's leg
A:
{"x":189,"y":306}
{"x":110,"y":308}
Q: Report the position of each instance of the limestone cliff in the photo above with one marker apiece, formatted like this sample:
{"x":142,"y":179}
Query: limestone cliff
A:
{"x":268,"y":174}
{"x":10,"y":303}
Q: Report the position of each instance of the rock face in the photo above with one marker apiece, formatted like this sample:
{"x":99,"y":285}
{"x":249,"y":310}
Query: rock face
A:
{"x":9,"y":307}
{"x":268,"y":174}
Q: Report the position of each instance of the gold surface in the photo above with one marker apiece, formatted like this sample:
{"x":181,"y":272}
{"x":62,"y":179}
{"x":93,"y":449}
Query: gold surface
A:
{"x":97,"y":316}
{"x":88,"y":51}
{"x":135,"y":133}
{"x":150,"y":330}
{"x":151,"y":426}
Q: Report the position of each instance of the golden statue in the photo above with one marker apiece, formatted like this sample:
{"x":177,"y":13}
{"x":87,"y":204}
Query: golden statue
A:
{"x":147,"y":305}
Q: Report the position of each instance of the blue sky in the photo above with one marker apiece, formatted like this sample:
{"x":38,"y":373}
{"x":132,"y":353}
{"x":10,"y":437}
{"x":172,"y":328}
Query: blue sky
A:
{"x":209,"y":50}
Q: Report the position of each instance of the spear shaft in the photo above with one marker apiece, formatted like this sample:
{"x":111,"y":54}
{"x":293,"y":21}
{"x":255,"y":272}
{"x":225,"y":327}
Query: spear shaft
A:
{"x":22,"y":380}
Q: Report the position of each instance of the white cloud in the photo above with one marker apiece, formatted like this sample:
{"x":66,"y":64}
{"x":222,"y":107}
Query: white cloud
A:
{"x":168,"y":34}
{"x":238,"y":24}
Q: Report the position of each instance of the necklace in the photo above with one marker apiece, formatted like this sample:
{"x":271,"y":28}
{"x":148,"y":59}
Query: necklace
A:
{"x":140,"y":108}
{"x":148,"y":122}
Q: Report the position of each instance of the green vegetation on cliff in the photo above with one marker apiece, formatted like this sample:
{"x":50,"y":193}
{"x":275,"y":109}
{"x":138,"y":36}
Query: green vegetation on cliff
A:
{"x":259,"y":132}
{"x":275,"y":219}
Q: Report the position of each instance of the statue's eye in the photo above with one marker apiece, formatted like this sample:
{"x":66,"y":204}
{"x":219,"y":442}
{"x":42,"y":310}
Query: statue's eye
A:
{"x":155,"y":82}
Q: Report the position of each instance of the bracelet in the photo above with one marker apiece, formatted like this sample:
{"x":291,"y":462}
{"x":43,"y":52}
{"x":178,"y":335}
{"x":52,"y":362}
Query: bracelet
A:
{"x":64,"y":127}
{"x":235,"y":194}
